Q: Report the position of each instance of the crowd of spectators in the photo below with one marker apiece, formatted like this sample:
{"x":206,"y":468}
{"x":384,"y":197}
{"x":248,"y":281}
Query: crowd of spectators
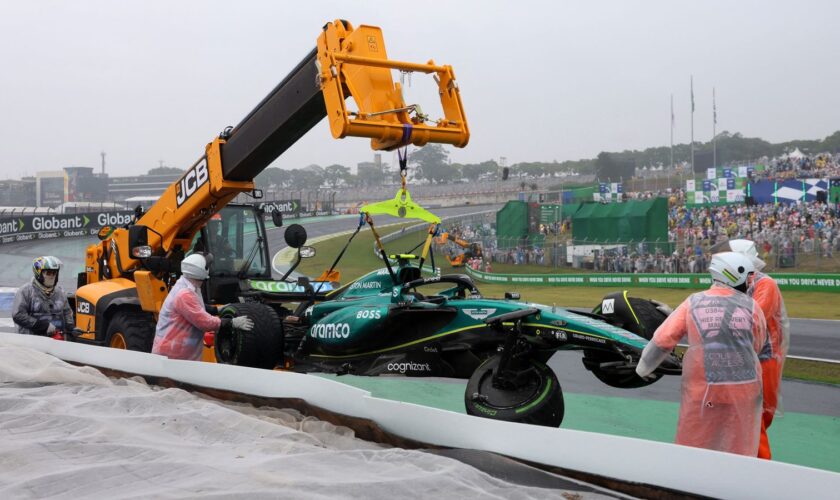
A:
{"x":784,"y":233}
{"x":799,"y":166}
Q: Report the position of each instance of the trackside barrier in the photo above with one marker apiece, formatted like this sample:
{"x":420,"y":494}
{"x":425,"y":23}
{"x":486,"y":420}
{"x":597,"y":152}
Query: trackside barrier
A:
{"x":786,"y":281}
{"x":713,"y":474}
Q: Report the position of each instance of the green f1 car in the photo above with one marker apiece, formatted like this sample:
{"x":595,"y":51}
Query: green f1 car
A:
{"x":396,"y":321}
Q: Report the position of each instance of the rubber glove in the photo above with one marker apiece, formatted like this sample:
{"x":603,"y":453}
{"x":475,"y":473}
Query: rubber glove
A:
{"x":242,"y":323}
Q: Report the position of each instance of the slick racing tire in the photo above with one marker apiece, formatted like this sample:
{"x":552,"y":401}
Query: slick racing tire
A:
{"x":649,"y":317}
{"x":131,"y":329}
{"x":641,"y":317}
{"x":539,"y":401}
{"x":262,"y":347}
{"x":592,"y":358}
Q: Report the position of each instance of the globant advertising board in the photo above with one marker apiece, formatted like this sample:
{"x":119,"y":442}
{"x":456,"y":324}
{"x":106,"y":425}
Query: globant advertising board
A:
{"x":47,"y":226}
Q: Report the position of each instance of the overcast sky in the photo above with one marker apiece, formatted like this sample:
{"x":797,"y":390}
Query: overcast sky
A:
{"x":155,"y":81}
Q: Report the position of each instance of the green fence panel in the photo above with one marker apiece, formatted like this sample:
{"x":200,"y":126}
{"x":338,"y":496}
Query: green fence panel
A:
{"x":786,"y":281}
{"x":512,"y":220}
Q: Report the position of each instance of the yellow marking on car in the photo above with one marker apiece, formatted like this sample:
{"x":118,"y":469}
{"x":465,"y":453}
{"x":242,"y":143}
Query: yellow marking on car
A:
{"x":631,"y":308}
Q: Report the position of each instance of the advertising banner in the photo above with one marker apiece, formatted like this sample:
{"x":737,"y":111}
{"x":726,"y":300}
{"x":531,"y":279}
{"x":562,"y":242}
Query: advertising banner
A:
{"x":32,"y":227}
{"x":787,"y":191}
{"x":711,"y":173}
{"x":286,"y":207}
{"x":804,"y":282}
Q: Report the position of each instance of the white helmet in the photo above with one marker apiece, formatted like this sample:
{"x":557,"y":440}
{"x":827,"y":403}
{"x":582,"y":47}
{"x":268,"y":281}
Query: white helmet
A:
{"x":745,"y":247}
{"x":195,"y":266}
{"x":731,"y":268}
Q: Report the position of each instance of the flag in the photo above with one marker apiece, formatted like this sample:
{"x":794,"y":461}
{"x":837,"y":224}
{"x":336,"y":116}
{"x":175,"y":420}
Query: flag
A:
{"x":692,"y":93}
{"x":714,"y":107}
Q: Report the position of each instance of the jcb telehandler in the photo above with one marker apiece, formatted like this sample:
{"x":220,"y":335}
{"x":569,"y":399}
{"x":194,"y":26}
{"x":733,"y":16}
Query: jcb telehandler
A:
{"x":129,"y":272}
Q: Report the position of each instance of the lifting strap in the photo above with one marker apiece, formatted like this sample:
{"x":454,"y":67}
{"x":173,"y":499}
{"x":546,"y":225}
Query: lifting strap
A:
{"x":381,"y":248}
{"x":340,"y":254}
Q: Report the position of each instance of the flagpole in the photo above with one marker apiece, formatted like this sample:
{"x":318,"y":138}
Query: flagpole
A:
{"x":714,"y":129}
{"x":692,"y":123}
{"x":672,"y":132}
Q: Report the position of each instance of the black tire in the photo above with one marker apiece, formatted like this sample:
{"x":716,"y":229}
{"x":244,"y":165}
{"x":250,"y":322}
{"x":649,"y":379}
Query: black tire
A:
{"x":648,"y":315}
{"x":262,"y":347}
{"x":641,"y":317}
{"x":131,"y":329}
{"x":539,"y":402}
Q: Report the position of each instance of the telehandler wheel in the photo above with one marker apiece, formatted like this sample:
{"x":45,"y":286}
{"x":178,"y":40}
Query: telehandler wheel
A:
{"x":262,"y":347}
{"x":131,"y":329}
{"x":538,"y":400}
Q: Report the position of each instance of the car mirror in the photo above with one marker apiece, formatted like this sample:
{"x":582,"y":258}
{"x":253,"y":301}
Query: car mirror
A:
{"x":295,"y":236}
{"x":104,"y":232}
{"x":307,"y":252}
{"x":512,"y":295}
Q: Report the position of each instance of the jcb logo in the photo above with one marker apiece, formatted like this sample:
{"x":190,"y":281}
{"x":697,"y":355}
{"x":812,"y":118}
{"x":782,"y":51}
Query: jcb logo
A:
{"x":191,"y":181}
{"x":83,"y":307}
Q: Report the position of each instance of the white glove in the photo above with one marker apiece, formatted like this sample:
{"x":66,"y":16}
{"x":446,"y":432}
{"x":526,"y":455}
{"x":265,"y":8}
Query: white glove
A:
{"x":242,"y":323}
{"x":50,"y":329}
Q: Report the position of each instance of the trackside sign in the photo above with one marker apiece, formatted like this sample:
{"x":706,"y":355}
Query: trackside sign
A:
{"x":39,"y":227}
{"x":786,"y":281}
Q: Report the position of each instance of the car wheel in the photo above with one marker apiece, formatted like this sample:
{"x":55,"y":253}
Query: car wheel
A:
{"x":633,"y":314}
{"x":262,"y":347}
{"x":538,"y":401}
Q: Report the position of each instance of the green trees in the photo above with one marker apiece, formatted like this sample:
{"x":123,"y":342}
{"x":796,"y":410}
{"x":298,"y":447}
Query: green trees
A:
{"x":336,"y":174}
{"x":432,"y":164}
